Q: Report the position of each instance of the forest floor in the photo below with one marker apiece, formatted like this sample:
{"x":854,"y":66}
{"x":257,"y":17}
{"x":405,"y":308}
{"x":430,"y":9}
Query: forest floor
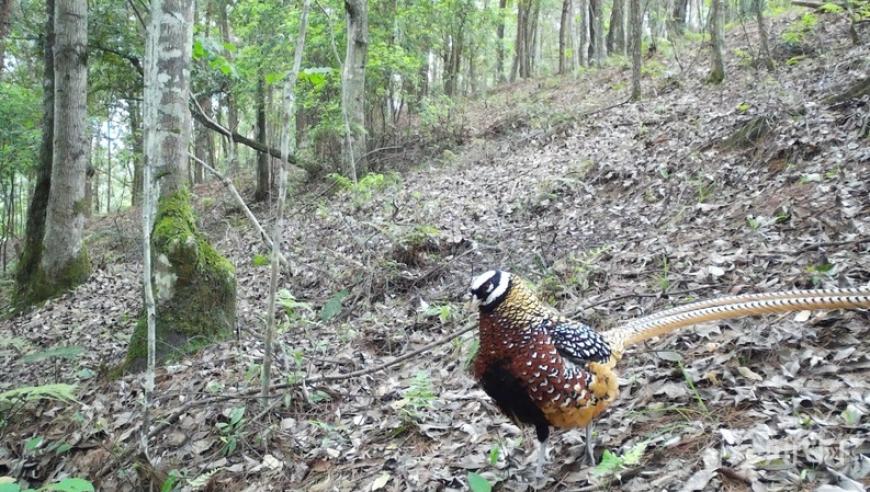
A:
{"x":610,"y":209}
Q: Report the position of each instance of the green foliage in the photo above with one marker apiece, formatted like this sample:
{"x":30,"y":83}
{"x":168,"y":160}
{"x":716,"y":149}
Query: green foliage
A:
{"x":364,"y":190}
{"x":662,"y":278}
{"x":65,"y":485}
{"x":743,"y":107}
{"x":831,"y":8}
{"x":611,"y":464}
{"x":821,"y":272}
{"x":260,"y":260}
{"x":444,"y":312}
{"x":333,"y":306}
{"x":69,"y":353}
{"x":795,"y":33}
{"x":419,"y":396}
{"x":231,"y":429}
{"x":57,"y":392}
{"x":292,"y":307}
{"x":477,"y":483}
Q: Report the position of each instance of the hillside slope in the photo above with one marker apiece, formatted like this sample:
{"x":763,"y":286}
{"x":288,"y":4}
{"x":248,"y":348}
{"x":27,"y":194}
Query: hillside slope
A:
{"x":612,"y":210}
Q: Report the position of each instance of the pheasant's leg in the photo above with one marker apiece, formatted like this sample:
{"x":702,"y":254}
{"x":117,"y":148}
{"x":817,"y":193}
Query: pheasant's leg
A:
{"x":590,"y":445}
{"x":543,"y":431}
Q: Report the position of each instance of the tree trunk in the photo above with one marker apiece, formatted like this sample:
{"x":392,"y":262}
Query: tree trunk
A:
{"x":679,"y":15}
{"x":533,"y":38}
{"x":499,"y":31}
{"x":717,"y":70}
{"x":133,"y":110}
{"x":31,"y":253}
{"x":596,"y":24}
{"x":758,"y":5}
{"x":109,"y":162}
{"x":353,"y":84}
{"x":263,"y":168}
{"x":195,"y":287}
{"x":616,"y":34}
{"x":5,"y":23}
{"x":65,"y":261}
{"x":203,"y":142}
{"x":636,"y":38}
{"x":583,"y":34}
{"x":566,"y":58}
{"x":229,"y":99}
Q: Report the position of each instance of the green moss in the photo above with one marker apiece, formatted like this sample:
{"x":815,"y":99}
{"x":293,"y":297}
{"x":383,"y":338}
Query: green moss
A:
{"x":39,"y":287}
{"x":195,"y":287}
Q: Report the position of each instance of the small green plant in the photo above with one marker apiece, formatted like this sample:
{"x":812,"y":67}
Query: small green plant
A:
{"x":612,"y":464}
{"x":333,"y":306}
{"x":364,"y":190}
{"x":753,"y":222}
{"x":57,"y":392}
{"x":171,"y":481}
{"x":831,"y":8}
{"x":796,"y":32}
{"x":663,"y":280}
{"x":821,"y":272}
{"x":743,"y":55}
{"x":7,"y":484}
{"x":69,"y":353}
{"x":419,"y":396}
{"x":292,"y":307}
{"x":260,"y":260}
{"x":476,"y":483}
{"x":445,"y":312}
{"x":231,"y":429}
{"x":743,"y":107}
{"x":703,"y":189}
{"x":691,"y":384}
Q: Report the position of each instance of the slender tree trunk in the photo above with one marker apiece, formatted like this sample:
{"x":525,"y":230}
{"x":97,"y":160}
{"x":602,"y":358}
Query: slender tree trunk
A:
{"x":596,"y":24}
{"x":133,"y":110}
{"x":5,"y":24}
{"x":758,"y":5}
{"x":65,"y":261}
{"x":109,"y":162}
{"x":717,"y":70}
{"x":583,"y":34}
{"x":616,"y":34}
{"x":565,"y":29}
{"x":635,"y":42}
{"x":533,"y":38}
{"x":263,"y":171}
{"x":287,"y":140}
{"x":499,"y":31}
{"x":92,"y":191}
{"x":229,"y":99}
{"x":680,"y":15}
{"x":203,"y":141}
{"x":31,"y":253}
{"x":353,"y":84}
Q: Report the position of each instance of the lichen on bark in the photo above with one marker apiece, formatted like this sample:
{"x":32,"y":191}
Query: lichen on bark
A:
{"x":195,"y":287}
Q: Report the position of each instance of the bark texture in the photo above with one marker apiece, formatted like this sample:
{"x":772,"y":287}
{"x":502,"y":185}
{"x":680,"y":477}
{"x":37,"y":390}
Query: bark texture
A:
{"x":717,"y":41}
{"x":635,"y":42}
{"x":64,"y":260}
{"x":264,"y":181}
{"x":565,"y":27}
{"x":353,"y":84}
{"x":31,"y":254}
{"x":194,"y":286}
{"x":616,"y":34}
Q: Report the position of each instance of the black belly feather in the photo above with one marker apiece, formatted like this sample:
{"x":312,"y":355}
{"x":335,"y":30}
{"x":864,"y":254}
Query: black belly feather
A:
{"x":512,"y":398}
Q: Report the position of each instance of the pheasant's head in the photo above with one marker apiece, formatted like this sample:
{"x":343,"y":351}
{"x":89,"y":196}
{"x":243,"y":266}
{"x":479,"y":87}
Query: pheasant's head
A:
{"x":490,"y":288}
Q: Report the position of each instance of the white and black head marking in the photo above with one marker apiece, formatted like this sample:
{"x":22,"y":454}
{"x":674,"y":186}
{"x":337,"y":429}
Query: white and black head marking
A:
{"x":490,"y":288}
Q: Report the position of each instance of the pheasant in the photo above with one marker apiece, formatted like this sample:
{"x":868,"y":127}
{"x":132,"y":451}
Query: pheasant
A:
{"x":545,"y":370}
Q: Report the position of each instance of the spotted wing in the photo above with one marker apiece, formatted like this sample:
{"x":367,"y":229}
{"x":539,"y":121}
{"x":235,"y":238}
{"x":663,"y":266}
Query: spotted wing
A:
{"x":578,"y":342}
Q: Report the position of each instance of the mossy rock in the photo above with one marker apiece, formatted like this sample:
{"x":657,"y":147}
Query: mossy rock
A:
{"x":194,"y":287}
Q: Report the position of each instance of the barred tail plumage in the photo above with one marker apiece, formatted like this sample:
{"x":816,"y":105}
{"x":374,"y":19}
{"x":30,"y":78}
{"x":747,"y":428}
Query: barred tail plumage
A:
{"x":732,"y":307}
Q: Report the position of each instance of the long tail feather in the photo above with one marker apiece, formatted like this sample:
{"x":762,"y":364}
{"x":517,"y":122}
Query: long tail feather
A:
{"x":762,"y":296}
{"x":637,"y":331}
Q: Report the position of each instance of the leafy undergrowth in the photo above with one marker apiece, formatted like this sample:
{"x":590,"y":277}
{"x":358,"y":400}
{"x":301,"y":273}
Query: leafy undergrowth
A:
{"x":652,"y":203}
